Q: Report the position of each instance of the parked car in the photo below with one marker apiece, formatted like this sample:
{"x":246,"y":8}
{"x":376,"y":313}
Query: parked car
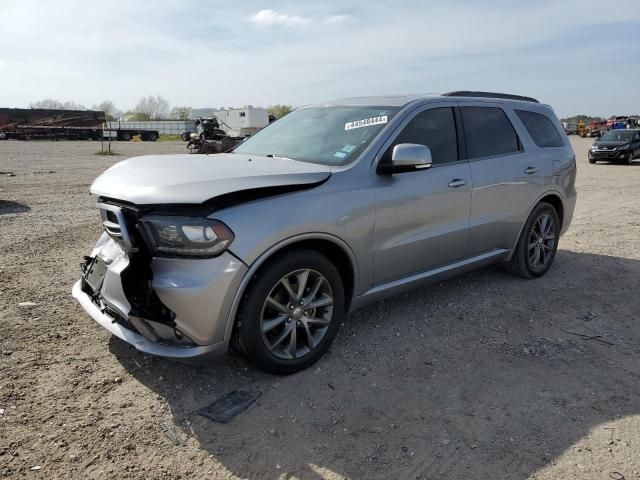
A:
{"x":616,"y":146}
{"x":330,"y":208}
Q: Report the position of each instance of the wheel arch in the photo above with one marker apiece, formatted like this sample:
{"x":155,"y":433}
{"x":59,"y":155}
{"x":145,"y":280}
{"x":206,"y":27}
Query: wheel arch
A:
{"x":334,"y":248}
{"x":551,"y":197}
{"x":556,"y":202}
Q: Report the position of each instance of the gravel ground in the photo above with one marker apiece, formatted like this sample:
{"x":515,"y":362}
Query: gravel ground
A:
{"x":475,"y":377}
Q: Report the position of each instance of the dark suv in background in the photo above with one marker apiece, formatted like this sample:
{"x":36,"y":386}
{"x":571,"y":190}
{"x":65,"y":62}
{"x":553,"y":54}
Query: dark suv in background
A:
{"x":616,"y":146}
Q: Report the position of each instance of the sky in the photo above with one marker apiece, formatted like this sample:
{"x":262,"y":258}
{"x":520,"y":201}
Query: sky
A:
{"x":579,"y":56}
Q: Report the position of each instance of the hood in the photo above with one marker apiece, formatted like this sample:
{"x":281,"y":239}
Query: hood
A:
{"x":175,"y":179}
{"x":611,"y":144}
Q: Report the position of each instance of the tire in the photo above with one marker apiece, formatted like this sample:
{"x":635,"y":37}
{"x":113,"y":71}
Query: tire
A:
{"x":125,"y":137}
{"x":629,"y":159}
{"x":265,"y":334}
{"x":185,"y":136}
{"x":532,"y":239}
{"x":592,"y":161}
{"x":152,"y":136}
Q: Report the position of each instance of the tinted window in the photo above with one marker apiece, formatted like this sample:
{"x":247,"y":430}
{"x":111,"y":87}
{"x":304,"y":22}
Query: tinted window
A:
{"x":542,"y":131}
{"x":488,"y":132}
{"x":617,"y":136}
{"x":435,"y":128}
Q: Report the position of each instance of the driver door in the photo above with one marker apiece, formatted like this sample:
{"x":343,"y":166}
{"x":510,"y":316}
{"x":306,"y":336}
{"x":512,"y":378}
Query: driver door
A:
{"x":422,"y":217}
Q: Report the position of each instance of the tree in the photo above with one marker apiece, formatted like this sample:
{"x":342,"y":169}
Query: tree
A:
{"x":150,"y":108}
{"x":48,"y":103}
{"x":110,"y":110}
{"x":69,"y":105}
{"x":580,"y":118}
{"x":181,"y":113}
{"x":279,"y":110}
{"x":51,"y":104}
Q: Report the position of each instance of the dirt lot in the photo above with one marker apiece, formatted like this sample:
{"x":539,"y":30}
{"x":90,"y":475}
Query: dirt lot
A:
{"x":476,"y":377}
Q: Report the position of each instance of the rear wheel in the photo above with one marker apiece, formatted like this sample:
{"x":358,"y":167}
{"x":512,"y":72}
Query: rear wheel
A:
{"x":152,"y":136}
{"x":126,"y":136}
{"x":537,"y":244}
{"x":291,"y":312}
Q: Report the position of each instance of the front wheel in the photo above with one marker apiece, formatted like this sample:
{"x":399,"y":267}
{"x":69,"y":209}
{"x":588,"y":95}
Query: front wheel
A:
{"x":537,"y":244}
{"x":629,"y":158}
{"x":291,"y":312}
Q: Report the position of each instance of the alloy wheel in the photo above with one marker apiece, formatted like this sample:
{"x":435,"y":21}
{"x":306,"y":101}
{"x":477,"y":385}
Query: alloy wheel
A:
{"x":296,"y":314}
{"x":542,"y":241}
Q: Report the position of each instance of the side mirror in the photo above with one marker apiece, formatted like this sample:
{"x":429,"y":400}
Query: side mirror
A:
{"x":407,"y":157}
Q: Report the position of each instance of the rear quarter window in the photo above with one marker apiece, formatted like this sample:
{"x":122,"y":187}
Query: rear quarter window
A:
{"x":541,"y":129}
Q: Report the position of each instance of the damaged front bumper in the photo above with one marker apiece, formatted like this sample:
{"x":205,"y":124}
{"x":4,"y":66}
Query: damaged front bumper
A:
{"x":137,"y":340}
{"x":170,"y":307}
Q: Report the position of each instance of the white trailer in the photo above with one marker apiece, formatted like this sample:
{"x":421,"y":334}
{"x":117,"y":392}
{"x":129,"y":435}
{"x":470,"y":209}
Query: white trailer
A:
{"x":242,"y":122}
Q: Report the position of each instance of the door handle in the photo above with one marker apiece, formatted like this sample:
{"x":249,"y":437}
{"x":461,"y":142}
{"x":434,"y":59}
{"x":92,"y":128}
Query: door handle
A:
{"x":457,"y":182}
{"x":531,"y":170}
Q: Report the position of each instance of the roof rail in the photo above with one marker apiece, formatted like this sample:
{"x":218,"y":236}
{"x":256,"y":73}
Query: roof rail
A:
{"x":465,"y":93}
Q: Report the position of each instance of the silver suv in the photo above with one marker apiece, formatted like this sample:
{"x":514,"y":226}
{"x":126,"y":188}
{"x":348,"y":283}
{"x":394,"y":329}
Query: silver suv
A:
{"x":330,"y":208}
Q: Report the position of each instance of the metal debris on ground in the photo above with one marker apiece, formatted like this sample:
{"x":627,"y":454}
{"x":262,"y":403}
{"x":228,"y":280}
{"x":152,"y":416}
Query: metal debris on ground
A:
{"x":589,"y":316}
{"x":584,"y":336}
{"x":230,"y":405}
{"x":171,"y":432}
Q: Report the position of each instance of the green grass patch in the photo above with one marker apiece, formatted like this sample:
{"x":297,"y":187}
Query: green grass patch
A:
{"x":169,"y":138}
{"x":107,"y":153}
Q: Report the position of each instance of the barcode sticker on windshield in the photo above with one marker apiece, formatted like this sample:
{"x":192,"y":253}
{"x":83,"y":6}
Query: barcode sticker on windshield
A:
{"x":367,"y":122}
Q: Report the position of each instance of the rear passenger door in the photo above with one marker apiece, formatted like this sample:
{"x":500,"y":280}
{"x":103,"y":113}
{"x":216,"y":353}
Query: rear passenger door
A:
{"x":507,"y":175}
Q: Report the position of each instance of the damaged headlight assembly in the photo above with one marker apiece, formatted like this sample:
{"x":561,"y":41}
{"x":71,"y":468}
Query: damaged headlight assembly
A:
{"x":186,"y":236}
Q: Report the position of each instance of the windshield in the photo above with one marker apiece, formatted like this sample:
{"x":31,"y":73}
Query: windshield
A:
{"x":326,"y":135}
{"x":617,"y":136}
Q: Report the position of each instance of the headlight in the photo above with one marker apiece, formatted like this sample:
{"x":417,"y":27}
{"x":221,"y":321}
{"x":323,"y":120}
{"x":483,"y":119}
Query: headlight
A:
{"x":622,"y":147}
{"x":187,"y":236}
{"x":594,"y":147}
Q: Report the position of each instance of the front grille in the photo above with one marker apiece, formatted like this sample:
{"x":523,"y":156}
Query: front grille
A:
{"x":605,"y":154}
{"x":120,"y":223}
{"x":111,"y":216}
{"x":114,"y":223}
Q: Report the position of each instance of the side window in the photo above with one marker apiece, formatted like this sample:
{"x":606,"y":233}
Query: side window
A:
{"x":488,"y":132}
{"x":542,"y":131}
{"x":435,"y":128}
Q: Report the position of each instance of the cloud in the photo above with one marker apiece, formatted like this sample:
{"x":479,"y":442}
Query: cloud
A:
{"x":269,"y":18}
{"x":337,"y":18}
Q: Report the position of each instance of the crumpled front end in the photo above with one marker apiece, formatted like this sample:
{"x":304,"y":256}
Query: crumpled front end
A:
{"x":172,"y":307}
